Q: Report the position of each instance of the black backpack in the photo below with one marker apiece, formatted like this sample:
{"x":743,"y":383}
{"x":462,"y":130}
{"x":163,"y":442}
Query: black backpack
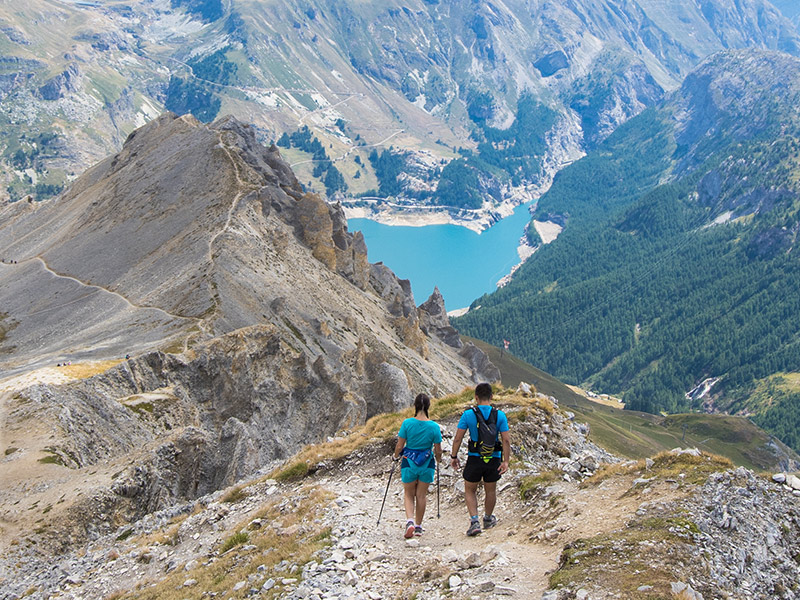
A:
{"x":487,"y":441}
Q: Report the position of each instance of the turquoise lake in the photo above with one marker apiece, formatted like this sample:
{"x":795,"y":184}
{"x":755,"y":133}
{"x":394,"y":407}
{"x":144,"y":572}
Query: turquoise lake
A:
{"x":465,"y":265}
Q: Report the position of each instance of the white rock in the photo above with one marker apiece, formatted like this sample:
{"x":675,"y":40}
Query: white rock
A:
{"x":351,"y":578}
{"x":454,"y":581}
{"x":240,"y":585}
{"x":190,"y":582}
{"x":449,"y":556}
{"x":689,"y":451}
{"x":412,"y":543}
{"x":268,"y":584}
{"x":582,"y":594}
{"x":686,"y":591}
{"x":793,"y":482}
{"x":192,"y":564}
{"x":779,"y":478}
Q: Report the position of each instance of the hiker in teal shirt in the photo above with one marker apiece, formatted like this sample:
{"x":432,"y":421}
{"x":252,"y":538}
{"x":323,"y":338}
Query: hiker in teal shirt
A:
{"x":419,"y":442}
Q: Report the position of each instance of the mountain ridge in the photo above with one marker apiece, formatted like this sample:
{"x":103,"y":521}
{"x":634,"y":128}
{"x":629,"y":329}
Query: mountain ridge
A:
{"x":569,"y":519}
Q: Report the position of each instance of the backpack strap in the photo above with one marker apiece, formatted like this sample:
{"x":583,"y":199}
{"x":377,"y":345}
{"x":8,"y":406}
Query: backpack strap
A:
{"x":492,"y":416}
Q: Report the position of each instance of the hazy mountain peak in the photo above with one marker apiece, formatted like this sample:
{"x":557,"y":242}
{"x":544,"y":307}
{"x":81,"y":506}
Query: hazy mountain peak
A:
{"x":736,"y":94}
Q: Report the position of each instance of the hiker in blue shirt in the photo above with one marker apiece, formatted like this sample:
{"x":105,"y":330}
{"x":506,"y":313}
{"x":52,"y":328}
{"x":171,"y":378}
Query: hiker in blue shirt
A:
{"x":487,"y":459}
{"x":418,"y":441}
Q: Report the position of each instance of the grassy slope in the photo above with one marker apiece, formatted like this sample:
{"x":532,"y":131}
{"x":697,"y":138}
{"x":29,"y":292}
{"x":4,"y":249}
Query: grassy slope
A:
{"x":638,"y":435}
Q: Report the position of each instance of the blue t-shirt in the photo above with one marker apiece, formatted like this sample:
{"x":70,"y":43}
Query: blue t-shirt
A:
{"x":420,"y":435}
{"x":470,"y":421}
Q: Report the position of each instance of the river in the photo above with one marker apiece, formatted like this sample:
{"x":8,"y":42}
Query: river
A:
{"x":463,"y":264}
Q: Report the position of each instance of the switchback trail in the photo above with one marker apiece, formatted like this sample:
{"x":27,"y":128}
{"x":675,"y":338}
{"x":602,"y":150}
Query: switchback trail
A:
{"x":100,"y":289}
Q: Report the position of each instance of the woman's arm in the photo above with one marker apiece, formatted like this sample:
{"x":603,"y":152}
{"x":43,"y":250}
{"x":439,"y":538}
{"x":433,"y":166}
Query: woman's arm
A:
{"x":437,"y":450}
{"x":398,"y":449}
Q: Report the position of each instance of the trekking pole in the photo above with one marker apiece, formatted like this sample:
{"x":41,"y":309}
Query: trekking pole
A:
{"x":386,"y":493}
{"x":437,"y":491}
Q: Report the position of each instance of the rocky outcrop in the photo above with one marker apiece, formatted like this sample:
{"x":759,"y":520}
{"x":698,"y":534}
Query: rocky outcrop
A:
{"x":747,"y":535}
{"x":202,"y":421}
{"x":482,"y":367}
{"x":66,"y":82}
{"x":435,"y":322}
{"x":723,"y":100}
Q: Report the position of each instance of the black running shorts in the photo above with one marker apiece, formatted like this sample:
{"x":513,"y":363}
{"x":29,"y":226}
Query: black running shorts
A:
{"x":476,"y":469}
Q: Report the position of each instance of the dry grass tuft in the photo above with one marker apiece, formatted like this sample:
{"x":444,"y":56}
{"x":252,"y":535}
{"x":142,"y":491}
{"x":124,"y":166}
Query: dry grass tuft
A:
{"x":666,"y":465}
{"x":88,"y":369}
{"x":649,"y":551}
{"x":237,"y":494}
{"x":533,"y":485}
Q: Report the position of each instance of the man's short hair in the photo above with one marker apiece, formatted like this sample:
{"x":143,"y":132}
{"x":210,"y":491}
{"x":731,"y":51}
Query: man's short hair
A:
{"x":483,"y":391}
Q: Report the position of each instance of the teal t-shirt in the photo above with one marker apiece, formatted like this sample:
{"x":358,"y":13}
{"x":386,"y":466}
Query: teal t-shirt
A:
{"x":420,"y":435}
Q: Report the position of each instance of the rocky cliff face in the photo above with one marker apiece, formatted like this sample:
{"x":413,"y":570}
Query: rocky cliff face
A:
{"x":254,"y":321}
{"x":733,"y":96}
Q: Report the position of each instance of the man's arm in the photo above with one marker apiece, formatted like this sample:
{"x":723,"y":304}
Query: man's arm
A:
{"x":505,"y":437}
{"x":456,"y":445}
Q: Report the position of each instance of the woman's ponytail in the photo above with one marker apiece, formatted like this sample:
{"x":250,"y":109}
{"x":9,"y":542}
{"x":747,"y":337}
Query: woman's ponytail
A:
{"x":422,"y":403}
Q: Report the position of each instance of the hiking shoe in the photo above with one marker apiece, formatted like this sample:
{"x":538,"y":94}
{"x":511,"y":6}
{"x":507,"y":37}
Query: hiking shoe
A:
{"x":409,"y":530}
{"x":418,"y":530}
{"x":474,"y":528}
{"x":489,"y":521}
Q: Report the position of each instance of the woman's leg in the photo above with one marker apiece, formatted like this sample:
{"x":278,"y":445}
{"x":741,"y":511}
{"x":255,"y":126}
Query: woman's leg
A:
{"x":422,"y":500}
{"x":410,"y":493}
